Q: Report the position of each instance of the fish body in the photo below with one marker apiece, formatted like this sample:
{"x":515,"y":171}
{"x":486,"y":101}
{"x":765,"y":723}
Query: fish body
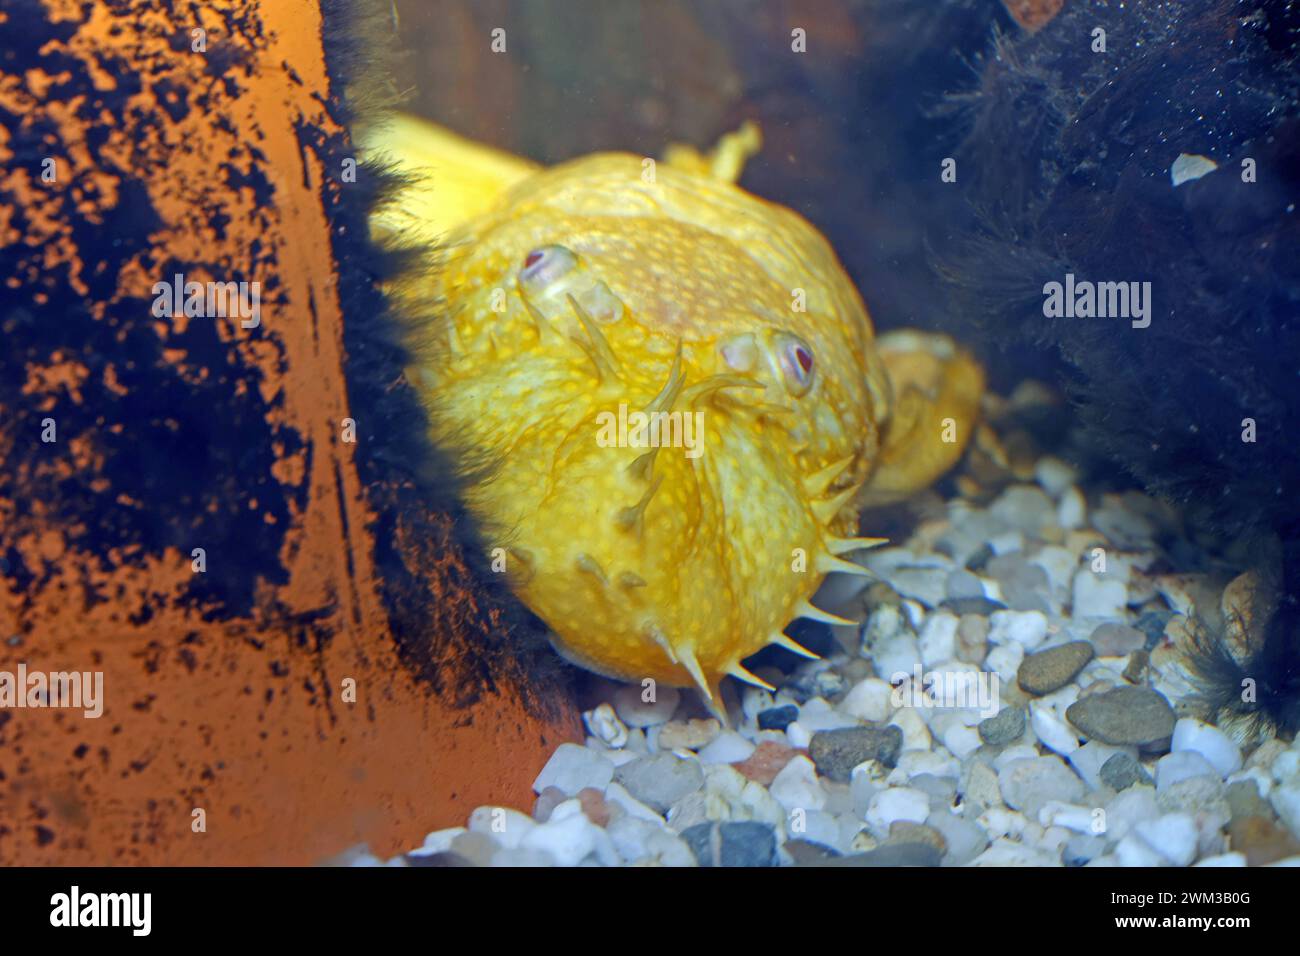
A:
{"x":670,"y":404}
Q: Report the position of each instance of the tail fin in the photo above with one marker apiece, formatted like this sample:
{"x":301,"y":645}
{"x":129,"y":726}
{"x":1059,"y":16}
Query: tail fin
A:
{"x":453,"y":178}
{"x":937,"y":390}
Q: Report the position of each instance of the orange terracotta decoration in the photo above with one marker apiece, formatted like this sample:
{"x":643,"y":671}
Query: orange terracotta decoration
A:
{"x":232,"y":518}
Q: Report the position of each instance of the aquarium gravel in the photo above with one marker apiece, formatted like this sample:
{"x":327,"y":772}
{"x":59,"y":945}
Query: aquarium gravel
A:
{"x":1017,"y":695}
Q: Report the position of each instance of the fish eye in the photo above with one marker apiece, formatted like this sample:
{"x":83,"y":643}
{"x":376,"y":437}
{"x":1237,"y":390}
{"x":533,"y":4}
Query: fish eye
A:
{"x":545,"y":264}
{"x":795,"y":358}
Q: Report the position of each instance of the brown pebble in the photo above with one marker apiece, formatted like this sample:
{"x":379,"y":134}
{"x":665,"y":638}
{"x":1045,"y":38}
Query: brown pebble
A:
{"x":594,"y":805}
{"x":547,"y":801}
{"x":905,"y":831}
{"x":767,"y":760}
{"x":1137,"y":665}
{"x":1033,"y":15}
{"x":687,"y":734}
{"x":1261,"y":840}
{"x":1052,"y":669}
{"x":972,"y":639}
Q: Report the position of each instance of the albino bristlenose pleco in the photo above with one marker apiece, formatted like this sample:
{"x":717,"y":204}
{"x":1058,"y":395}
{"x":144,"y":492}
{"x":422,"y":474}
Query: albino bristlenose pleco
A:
{"x":664,"y":392}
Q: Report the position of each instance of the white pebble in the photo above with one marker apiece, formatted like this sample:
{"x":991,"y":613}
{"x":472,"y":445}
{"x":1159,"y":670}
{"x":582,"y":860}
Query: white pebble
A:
{"x":641,"y":841}
{"x":1129,"y":808}
{"x":1008,"y":543}
{"x":938,"y":639}
{"x":1173,"y":836}
{"x":1054,"y":476}
{"x":1072,"y":509}
{"x":1208,"y":741}
{"x":1004,"y":660}
{"x":913,"y":763}
{"x":1060,"y":564}
{"x":1133,"y":851}
{"x":895,"y":655}
{"x":1286,"y":767}
{"x":798,"y":735}
{"x":868,"y":700}
{"x":1224,"y":859}
{"x":604,"y":725}
{"x":755,"y":700}
{"x":817,"y":826}
{"x":1025,"y":628}
{"x":1011,"y":754}
{"x":1096,"y":595}
{"x":1007,"y":853}
{"x":961,"y":740}
{"x":1070,"y":816}
{"x":1052,"y":730}
{"x":897,"y":803}
{"x":817,"y":715}
{"x":796,"y":787}
{"x":1181,"y":765}
{"x":915,"y":610}
{"x":508,"y":827}
{"x":1286,"y":801}
{"x":727,"y":747}
{"x":571,"y":768}
{"x":569,"y":837}
{"x":916,"y":736}
{"x":999,"y":822}
{"x":439,"y":841}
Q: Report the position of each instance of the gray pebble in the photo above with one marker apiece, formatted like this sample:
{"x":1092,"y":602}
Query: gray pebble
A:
{"x":965,"y":839}
{"x":1025,"y":508}
{"x":980,"y":558}
{"x":942,"y":790}
{"x":1124,"y":716}
{"x":660,"y":780}
{"x":1244,"y":801}
{"x":963,"y":584}
{"x":972,"y":639}
{"x":1031,"y":782}
{"x":547,"y":801}
{"x":1024,"y":586}
{"x":1006,"y":725}
{"x":1052,"y":669}
{"x":837,"y":752}
{"x":446,"y":858}
{"x":1121,"y":771}
{"x":894,"y":854}
{"x":745,"y":843}
{"x":808,"y":853}
{"x":1082,"y":848}
{"x":974,"y":605}
{"x":1117,"y":640}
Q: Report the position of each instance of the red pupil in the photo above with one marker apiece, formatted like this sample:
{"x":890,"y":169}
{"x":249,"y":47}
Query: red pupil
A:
{"x":805,"y":360}
{"x":534,"y":257}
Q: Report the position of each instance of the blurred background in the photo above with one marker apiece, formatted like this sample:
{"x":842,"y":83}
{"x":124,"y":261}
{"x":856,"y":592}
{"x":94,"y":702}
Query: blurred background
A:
{"x":854,"y":129}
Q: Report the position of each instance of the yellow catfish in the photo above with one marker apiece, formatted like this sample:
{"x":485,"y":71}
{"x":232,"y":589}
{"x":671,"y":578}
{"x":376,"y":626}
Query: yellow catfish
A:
{"x":665,"y":393}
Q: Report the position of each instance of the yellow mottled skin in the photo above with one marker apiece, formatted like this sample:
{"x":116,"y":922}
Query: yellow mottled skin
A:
{"x":613,"y":281}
